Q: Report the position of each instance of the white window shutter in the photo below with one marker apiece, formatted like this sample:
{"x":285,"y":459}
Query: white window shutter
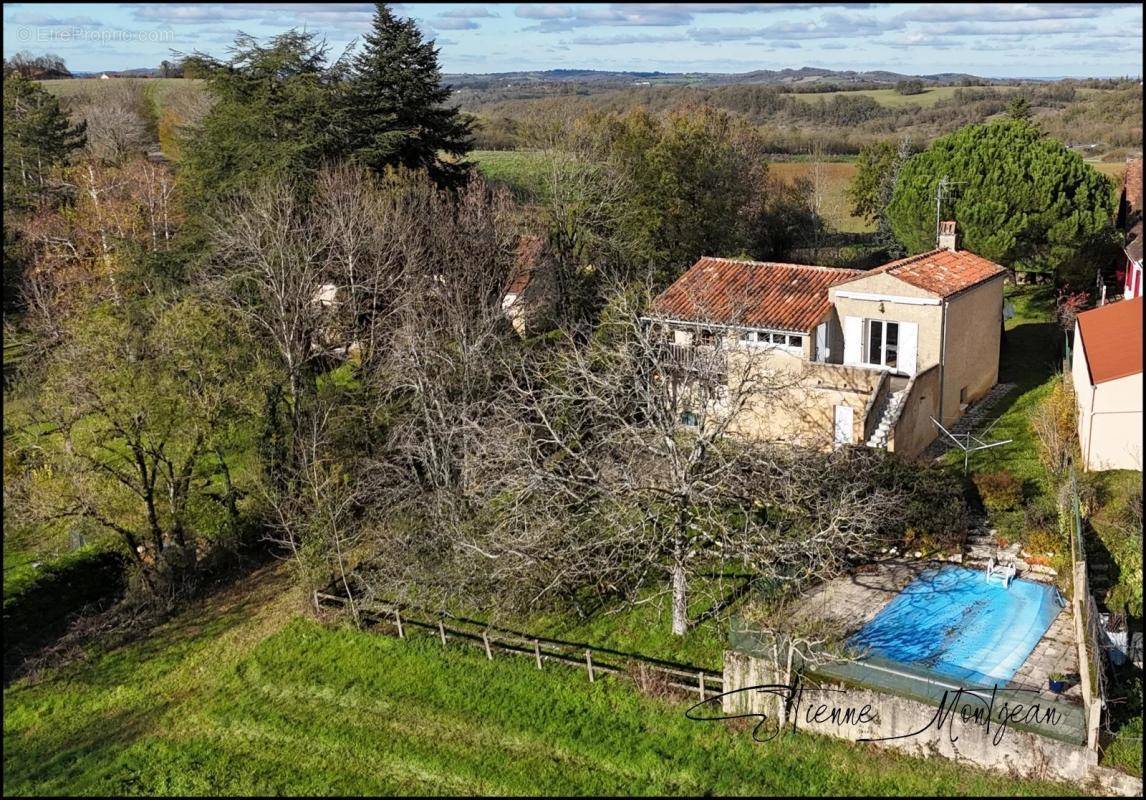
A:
{"x":853,"y":339}
{"x":908,"y":345}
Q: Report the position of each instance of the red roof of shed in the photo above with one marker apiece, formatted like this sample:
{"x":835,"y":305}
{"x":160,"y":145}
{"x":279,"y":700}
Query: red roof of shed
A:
{"x":1112,"y":339}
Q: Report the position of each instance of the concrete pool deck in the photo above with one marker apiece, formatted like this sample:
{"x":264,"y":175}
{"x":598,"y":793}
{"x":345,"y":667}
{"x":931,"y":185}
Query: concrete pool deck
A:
{"x":852,"y":601}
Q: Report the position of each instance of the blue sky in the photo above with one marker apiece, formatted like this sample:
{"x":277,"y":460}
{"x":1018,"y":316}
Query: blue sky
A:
{"x":996,"y":40}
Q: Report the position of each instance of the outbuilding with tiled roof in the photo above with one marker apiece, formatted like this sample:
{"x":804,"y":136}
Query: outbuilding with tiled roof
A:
{"x":1106,"y":370}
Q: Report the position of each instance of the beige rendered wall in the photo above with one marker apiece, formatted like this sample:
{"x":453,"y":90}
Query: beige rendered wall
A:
{"x":974,"y":329}
{"x":971,"y":342}
{"x":1083,"y":392}
{"x":914,"y":430}
{"x":800,"y":406}
{"x":929,"y":318}
{"x":1114,"y":438}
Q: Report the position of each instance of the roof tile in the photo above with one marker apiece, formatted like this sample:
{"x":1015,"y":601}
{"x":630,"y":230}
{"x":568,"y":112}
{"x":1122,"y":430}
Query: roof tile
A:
{"x":758,"y":294}
{"x":1112,"y":339}
{"x":942,"y":272}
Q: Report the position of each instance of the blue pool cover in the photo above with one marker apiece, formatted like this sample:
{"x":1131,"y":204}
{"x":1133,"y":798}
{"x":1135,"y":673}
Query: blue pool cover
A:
{"x":954,"y":622}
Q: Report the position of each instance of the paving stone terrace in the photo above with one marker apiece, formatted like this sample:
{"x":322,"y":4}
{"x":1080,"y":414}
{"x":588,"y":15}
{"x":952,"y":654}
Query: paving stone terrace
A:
{"x":854,"y":600}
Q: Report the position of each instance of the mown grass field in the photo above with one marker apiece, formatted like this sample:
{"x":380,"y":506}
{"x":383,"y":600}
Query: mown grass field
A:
{"x":522,"y":171}
{"x":890,"y":97}
{"x":836,"y":177}
{"x":1114,"y":169}
{"x":243,"y":696}
{"x":67,"y":87}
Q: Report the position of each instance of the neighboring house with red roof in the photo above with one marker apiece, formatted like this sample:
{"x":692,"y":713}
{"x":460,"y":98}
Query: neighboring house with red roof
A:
{"x":878,"y":354}
{"x":1129,"y":221}
{"x":530,"y":290}
{"x":1106,"y":370}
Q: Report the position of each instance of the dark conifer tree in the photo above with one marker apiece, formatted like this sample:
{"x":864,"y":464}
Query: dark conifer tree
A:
{"x":396,"y":111}
{"x":37,"y":136}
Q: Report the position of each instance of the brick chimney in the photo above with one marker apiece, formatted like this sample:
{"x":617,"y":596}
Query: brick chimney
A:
{"x":948,"y":237}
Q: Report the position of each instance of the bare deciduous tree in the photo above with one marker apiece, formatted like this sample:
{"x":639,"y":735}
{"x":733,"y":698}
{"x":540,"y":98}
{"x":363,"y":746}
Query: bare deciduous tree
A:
{"x":593,"y":481}
{"x":115,"y":113}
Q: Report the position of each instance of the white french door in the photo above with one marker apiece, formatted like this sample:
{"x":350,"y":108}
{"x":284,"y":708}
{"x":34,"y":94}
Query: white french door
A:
{"x":890,"y":344}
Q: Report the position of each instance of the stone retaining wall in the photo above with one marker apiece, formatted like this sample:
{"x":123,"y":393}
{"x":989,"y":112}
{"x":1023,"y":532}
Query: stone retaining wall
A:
{"x":840,"y":711}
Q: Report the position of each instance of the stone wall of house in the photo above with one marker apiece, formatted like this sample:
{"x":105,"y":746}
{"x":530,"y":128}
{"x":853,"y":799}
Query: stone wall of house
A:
{"x":803,"y":411}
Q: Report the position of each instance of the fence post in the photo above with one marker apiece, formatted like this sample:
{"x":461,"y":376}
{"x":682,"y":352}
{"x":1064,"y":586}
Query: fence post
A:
{"x":700,"y":681}
{"x":315,"y":598}
{"x":537,"y":652}
{"x":485,"y":641}
{"x":442,"y":631}
{"x":398,"y":620}
{"x":589,"y":663}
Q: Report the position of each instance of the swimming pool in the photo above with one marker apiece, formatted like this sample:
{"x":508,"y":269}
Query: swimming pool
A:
{"x":953,"y":621}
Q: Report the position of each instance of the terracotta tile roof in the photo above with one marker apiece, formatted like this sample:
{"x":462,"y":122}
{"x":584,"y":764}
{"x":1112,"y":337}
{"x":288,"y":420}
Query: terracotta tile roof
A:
{"x":1133,"y":245}
{"x":942,"y":272}
{"x":1112,"y":338}
{"x":1132,"y":184}
{"x":529,"y":249}
{"x":757,"y":294}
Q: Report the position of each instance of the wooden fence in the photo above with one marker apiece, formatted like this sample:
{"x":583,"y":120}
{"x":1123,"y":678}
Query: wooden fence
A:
{"x":397,"y":620}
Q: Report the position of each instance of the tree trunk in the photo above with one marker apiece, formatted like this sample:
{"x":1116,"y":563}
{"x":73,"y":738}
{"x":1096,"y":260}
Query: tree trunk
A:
{"x":679,"y":601}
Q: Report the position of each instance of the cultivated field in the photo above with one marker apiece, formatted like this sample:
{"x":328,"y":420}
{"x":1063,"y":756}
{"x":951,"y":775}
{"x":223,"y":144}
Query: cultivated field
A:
{"x":242,"y":696}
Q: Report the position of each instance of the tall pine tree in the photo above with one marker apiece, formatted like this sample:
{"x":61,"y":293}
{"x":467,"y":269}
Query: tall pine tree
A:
{"x":37,"y":137}
{"x":395,"y":104}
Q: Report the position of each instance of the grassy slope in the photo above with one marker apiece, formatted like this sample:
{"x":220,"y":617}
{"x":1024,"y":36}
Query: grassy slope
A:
{"x":242,"y":696}
{"x":520,"y":170}
{"x":66,"y":87}
{"x":1030,"y":357}
{"x":890,"y":97}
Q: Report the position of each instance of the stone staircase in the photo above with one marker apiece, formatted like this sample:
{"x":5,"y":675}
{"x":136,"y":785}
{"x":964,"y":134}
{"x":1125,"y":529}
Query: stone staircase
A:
{"x":970,"y":421}
{"x":888,"y":413}
{"x":982,"y":545}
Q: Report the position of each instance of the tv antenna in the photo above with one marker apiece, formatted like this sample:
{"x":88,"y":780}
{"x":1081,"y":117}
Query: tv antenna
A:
{"x":941,"y":191}
{"x":969,"y":442}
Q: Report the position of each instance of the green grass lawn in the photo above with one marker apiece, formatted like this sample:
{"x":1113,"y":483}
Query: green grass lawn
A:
{"x":242,"y":696}
{"x":520,"y":170}
{"x":1031,"y":356}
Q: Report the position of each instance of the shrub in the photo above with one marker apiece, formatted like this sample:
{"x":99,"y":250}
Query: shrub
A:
{"x":1040,"y":514}
{"x":1000,"y":491}
{"x":1044,"y":541}
{"x":936,"y":513}
{"x":1053,"y":424}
